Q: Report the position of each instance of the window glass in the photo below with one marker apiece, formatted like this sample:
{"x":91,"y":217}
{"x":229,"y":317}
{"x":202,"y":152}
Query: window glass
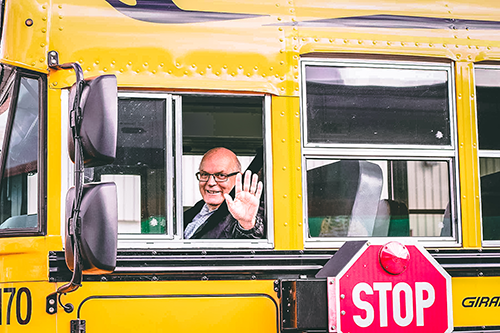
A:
{"x":367,"y":105}
{"x":364,"y":198}
{"x":488,"y":116}
{"x":140,"y":166}
{"x":19,"y":190}
{"x":6,"y":79}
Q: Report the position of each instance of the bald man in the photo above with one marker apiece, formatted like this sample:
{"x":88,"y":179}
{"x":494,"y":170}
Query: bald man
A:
{"x":218,"y":216}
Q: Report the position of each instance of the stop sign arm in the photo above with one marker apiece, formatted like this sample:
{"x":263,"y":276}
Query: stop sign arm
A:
{"x":340,"y":259}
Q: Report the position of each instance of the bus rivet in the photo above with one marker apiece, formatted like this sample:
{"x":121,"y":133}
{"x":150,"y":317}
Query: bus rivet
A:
{"x":342,"y":296}
{"x":342,"y":312}
{"x":51,"y":310}
{"x":52,"y":301}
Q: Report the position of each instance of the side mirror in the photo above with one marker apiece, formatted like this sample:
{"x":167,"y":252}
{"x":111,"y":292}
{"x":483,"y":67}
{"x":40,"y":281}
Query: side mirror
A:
{"x":99,"y":122}
{"x":98,"y":228}
{"x":91,"y":209}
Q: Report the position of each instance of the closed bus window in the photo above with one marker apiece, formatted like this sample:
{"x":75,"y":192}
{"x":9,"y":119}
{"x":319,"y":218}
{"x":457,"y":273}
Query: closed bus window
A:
{"x":349,"y":198}
{"x":19,"y":182}
{"x":140,"y":167}
{"x":378,"y":149}
{"x":488,"y":117}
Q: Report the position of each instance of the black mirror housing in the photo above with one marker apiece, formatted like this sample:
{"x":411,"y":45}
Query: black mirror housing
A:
{"x":98,"y":228}
{"x":99,"y":111}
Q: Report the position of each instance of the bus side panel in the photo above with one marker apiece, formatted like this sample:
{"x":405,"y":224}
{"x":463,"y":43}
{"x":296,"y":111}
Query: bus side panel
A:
{"x":476,"y":301}
{"x":23,"y":307}
{"x":173,"y":306}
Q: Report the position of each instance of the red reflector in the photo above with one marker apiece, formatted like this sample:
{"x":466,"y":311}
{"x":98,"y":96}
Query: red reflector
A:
{"x":394,"y":257}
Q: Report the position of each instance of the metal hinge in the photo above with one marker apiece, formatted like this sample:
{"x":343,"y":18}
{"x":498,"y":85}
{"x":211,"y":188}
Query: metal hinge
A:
{"x":78,"y":326}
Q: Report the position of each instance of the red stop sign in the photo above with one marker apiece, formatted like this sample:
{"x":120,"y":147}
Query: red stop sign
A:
{"x":365,"y":297}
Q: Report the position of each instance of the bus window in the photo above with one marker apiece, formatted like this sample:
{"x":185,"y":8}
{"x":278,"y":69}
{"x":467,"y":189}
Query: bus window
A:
{"x":487,"y":91}
{"x":236,"y":124}
{"x":378,"y":149}
{"x":141,"y":164}
{"x":19,"y":182}
{"x":161,"y":141}
{"x":377,"y":198}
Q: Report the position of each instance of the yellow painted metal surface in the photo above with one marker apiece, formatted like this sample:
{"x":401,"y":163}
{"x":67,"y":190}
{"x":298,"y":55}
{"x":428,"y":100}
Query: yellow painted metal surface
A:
{"x":26,"y":258}
{"x":287,"y":182}
{"x":476,"y":301}
{"x":26,"y":312}
{"x":468,"y":160}
{"x":258,"y":53}
{"x":175,"y":306}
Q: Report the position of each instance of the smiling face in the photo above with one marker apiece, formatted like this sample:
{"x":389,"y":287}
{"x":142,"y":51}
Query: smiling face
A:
{"x":217,"y":160}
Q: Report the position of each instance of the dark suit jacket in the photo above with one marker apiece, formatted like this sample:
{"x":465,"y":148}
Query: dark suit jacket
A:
{"x":222,"y":225}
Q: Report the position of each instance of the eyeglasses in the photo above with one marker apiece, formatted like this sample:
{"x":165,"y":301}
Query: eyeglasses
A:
{"x":218,"y":177}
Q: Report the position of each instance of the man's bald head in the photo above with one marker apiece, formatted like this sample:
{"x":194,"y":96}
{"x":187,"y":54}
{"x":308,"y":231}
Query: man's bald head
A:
{"x":221,"y":153}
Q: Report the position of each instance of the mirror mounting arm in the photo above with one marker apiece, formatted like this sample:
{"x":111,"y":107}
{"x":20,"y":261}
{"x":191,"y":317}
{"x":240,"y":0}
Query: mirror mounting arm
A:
{"x":74,"y":225}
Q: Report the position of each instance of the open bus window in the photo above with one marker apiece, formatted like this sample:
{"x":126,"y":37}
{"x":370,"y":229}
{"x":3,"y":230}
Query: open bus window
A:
{"x":236,"y":125}
{"x":19,"y":189}
{"x":488,"y":118}
{"x":366,"y":129}
{"x":364,"y":198}
{"x":161,"y":141}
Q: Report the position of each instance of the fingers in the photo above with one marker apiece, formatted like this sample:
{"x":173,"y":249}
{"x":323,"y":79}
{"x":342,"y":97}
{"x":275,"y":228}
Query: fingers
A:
{"x":251,"y":184}
{"x":246,"y":184}
{"x":260,"y":188}
{"x":238,"y":183}
{"x":229,"y":201}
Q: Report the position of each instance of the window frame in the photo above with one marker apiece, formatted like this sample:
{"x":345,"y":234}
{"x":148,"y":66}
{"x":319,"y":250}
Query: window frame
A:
{"x":18,"y":74}
{"x":368,"y":151}
{"x":173,"y":238}
{"x":483,"y":153}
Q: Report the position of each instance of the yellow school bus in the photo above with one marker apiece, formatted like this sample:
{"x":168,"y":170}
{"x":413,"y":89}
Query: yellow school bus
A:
{"x":365,"y":121}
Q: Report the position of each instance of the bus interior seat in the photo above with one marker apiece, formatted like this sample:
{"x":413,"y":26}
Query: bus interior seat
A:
{"x":446,"y":229}
{"x":20,"y":222}
{"x":392,"y":219}
{"x":343,"y":198}
{"x":490,"y":199}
